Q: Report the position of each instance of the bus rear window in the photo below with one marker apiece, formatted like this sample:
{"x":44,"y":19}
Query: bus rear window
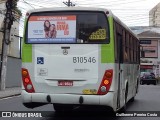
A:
{"x":68,"y":27}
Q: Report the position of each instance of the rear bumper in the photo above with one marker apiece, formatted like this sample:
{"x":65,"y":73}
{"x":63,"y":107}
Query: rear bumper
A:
{"x":107,"y":100}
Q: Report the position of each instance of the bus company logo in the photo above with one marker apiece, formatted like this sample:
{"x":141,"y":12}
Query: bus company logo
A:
{"x":65,"y":52}
{"x":6,"y":114}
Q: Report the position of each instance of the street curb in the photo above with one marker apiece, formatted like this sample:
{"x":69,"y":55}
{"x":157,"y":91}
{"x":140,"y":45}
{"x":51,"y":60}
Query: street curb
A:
{"x":10,"y":92}
{"x":10,"y":96}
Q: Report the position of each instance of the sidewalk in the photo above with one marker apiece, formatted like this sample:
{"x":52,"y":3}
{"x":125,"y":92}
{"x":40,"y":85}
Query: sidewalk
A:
{"x":8,"y":92}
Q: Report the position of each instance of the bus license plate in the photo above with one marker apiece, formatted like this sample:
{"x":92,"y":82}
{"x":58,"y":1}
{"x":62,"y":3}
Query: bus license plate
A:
{"x":65,"y":83}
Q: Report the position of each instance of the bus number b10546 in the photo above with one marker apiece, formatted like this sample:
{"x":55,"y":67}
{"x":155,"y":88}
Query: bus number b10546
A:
{"x":84,"y":60}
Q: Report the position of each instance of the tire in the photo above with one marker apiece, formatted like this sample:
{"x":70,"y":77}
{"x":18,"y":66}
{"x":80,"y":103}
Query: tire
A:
{"x":155,"y":83}
{"x":137,"y":88}
{"x":141,"y":82}
{"x":132,"y":99}
{"x":62,"y":108}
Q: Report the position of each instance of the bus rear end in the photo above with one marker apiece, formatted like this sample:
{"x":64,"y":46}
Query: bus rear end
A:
{"x":62,"y":59}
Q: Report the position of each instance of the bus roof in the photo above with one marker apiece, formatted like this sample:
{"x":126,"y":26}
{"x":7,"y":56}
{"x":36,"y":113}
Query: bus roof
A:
{"x":84,"y":9}
{"x":70,"y":9}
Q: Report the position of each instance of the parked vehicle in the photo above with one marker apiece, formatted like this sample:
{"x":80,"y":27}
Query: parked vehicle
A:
{"x":148,"y":78}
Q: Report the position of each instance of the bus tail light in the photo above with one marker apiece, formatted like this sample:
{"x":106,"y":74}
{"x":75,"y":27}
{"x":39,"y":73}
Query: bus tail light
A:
{"x":106,"y":82}
{"x":27,"y":81}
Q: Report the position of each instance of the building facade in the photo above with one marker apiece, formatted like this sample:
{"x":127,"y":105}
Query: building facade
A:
{"x":154,"y":16}
{"x":150,"y":44}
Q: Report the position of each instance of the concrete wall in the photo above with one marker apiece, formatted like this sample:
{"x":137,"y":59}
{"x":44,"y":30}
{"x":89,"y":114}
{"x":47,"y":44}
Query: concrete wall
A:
{"x":13,"y":78}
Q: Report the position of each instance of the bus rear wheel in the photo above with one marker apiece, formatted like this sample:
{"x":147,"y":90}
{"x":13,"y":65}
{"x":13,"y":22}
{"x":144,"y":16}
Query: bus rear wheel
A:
{"x":132,"y":99}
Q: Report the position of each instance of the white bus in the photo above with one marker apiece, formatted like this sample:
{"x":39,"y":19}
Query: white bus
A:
{"x":77,"y":56}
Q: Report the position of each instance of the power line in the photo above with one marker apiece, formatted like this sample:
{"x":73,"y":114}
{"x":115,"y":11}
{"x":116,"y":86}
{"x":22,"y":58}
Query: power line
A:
{"x":69,"y":3}
{"x":126,"y":12}
{"x":28,"y":4}
{"x":113,"y":3}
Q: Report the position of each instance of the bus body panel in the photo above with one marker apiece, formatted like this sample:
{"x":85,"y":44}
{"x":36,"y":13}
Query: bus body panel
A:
{"x":50,"y":85}
{"x":80,"y":60}
{"x":71,"y":99}
{"x":84,"y":65}
{"x":60,"y":67}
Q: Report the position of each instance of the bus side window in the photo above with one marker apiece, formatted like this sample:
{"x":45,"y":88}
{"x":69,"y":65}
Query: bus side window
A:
{"x":120,"y":48}
{"x":118,"y":43}
{"x":125,"y":56}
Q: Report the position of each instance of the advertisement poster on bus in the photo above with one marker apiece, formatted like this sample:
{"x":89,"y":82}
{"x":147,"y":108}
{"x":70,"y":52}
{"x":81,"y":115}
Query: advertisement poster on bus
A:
{"x":52,"y":29}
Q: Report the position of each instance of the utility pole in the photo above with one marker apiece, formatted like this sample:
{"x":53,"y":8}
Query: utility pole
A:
{"x":69,"y":3}
{"x":8,"y":21}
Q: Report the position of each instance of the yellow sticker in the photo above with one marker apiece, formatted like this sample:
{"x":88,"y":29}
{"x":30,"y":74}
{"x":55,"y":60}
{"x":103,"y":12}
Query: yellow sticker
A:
{"x":100,"y":34}
{"x":89,"y":91}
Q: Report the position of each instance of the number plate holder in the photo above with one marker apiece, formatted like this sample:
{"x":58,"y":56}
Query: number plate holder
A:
{"x":65,"y":83}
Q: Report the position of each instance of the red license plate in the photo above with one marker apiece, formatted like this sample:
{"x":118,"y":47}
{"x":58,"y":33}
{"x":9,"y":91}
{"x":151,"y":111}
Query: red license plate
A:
{"x":65,"y":83}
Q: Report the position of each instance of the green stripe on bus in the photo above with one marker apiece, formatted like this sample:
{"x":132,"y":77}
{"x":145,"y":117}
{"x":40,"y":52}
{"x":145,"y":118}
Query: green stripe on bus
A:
{"x":26,"y":49}
{"x":27,"y":53}
{"x":107,"y":50}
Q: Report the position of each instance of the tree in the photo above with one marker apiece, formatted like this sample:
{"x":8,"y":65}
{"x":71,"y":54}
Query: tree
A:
{"x":16,"y":10}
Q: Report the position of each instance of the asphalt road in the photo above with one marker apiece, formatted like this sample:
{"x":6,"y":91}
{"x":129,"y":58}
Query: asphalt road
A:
{"x":148,"y":99}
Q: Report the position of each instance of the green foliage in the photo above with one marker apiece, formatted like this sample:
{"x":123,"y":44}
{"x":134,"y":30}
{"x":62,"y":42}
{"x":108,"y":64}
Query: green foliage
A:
{"x":15,"y":8}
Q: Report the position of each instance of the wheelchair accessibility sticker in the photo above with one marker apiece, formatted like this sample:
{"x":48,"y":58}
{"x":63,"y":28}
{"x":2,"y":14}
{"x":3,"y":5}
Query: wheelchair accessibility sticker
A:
{"x":40,"y":60}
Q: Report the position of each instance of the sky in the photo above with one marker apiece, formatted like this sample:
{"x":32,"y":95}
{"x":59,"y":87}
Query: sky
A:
{"x":131,"y":12}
